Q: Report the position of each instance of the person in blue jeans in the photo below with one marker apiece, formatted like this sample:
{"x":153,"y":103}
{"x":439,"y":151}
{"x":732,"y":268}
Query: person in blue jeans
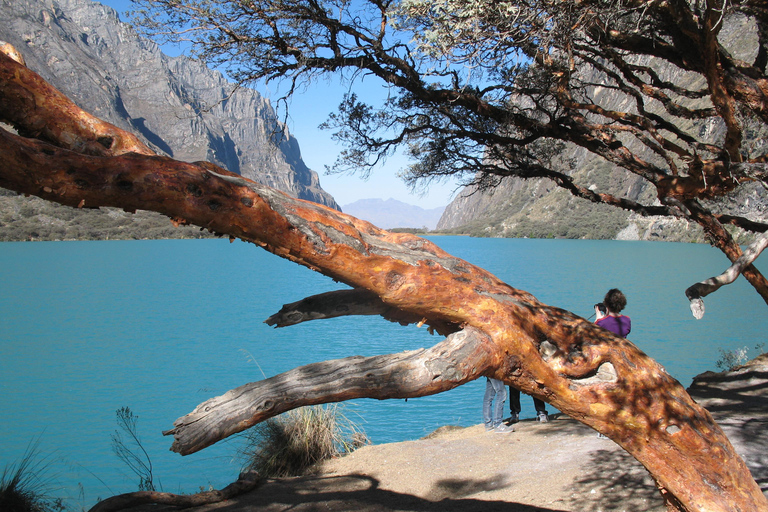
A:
{"x":514,"y":407}
{"x":493,"y":406}
{"x":609,"y":317}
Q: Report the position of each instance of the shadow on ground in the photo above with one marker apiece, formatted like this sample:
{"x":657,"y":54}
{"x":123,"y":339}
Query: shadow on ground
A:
{"x":360,"y":493}
{"x":738,"y":400}
{"x":610,"y":480}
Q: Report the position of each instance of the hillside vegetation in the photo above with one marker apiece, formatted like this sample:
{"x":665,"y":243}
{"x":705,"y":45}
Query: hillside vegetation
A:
{"x":29,"y":218}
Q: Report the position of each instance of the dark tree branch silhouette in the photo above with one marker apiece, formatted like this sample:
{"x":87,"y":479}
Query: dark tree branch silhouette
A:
{"x":484,"y":90}
{"x":490,"y":328}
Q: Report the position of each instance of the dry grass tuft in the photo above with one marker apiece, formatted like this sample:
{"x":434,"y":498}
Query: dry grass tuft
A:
{"x":291,"y":443}
{"x":23,"y":486}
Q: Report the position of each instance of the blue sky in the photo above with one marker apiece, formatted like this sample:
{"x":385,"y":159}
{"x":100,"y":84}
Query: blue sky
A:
{"x":307,"y":111}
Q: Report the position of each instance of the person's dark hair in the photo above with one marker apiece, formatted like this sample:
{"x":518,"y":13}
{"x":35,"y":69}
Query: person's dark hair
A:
{"x":614,"y":300}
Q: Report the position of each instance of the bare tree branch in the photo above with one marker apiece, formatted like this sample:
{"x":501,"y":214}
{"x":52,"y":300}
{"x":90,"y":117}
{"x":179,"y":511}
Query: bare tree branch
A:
{"x":343,"y":303}
{"x":462,"y":357}
{"x":595,"y":377}
{"x":698,"y":291}
{"x":247,"y":482}
{"x":328,"y":305}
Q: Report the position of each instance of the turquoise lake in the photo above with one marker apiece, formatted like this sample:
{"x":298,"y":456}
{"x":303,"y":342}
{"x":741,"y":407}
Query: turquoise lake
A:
{"x":160,"y":326}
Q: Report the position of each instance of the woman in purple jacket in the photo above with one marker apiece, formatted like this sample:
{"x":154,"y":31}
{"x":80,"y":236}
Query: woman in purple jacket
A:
{"x":611,"y":318}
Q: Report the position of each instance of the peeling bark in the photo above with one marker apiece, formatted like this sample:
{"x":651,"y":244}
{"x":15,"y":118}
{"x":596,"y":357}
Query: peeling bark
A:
{"x":586,"y":372}
{"x":38,"y":110}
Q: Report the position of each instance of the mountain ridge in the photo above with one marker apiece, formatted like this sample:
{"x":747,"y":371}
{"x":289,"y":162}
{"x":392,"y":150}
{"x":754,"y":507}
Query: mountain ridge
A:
{"x":177,"y":105}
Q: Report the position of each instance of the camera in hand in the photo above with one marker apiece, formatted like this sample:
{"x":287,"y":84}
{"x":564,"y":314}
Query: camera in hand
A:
{"x":600,"y":306}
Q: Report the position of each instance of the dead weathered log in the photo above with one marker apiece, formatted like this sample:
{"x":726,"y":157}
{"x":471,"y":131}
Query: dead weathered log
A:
{"x":460,"y":358}
{"x":698,"y":291}
{"x":246,"y":483}
{"x":586,"y":372}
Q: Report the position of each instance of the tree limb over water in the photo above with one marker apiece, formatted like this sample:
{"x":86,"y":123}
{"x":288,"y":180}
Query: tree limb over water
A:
{"x":672,"y":93}
{"x":698,"y":291}
{"x":491,"y":328}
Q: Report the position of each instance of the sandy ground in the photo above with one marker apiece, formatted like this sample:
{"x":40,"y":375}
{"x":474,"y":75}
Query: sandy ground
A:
{"x":557,"y":466}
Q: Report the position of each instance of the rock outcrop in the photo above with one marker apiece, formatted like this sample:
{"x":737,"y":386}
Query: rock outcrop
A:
{"x":177,"y":105}
{"x":537,"y":208}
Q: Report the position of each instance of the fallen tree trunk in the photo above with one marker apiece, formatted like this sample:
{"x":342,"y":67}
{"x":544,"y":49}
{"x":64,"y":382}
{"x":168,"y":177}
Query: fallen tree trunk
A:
{"x":246,"y":483}
{"x":586,"y":372}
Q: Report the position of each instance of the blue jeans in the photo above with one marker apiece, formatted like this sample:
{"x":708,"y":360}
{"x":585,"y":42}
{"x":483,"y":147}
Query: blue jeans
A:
{"x":493,"y":402}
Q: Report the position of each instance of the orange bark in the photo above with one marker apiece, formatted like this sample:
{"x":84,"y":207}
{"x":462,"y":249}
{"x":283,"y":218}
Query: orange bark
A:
{"x":586,"y":372}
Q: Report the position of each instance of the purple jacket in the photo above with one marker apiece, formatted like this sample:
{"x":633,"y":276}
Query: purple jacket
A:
{"x":620,"y":325}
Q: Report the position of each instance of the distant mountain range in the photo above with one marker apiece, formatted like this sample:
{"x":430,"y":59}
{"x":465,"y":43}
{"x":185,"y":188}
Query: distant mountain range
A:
{"x":183,"y":109}
{"x":392,"y":213}
{"x":175,"y":104}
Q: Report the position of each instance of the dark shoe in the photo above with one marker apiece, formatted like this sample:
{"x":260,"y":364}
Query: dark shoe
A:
{"x":543,"y":417}
{"x":512,"y":419}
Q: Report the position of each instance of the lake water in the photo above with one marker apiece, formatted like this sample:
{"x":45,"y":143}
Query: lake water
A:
{"x":159,"y":326}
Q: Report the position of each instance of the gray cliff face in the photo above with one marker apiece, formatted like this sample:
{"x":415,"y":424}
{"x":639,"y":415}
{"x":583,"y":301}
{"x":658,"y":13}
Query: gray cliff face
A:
{"x":538,"y":208}
{"x":176,"y":104}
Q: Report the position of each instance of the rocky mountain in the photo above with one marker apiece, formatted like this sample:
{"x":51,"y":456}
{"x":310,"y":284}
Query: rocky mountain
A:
{"x":394,"y":214}
{"x":177,"y":105}
{"x":539,"y":209}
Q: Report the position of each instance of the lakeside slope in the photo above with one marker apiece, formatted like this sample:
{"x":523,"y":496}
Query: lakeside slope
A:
{"x":557,"y":466}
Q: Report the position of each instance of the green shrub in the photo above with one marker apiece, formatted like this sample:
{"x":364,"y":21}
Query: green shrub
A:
{"x":31,"y":218}
{"x":291,"y":443}
{"x":412,"y":231}
{"x":730,"y":359}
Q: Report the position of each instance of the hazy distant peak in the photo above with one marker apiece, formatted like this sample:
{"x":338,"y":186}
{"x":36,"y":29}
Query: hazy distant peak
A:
{"x":391,"y":213}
